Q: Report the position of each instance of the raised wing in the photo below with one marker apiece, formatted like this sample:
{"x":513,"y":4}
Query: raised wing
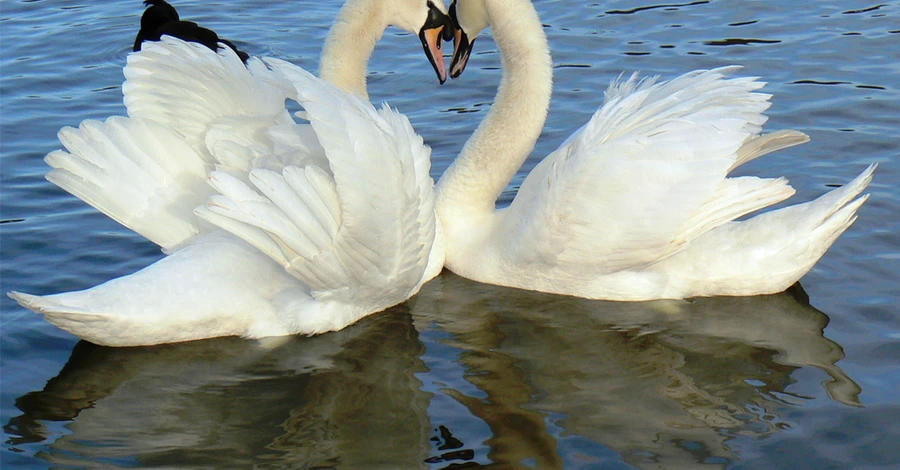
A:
{"x":137,"y":172}
{"x":191,"y":110}
{"x":359,"y":231}
{"x":205,"y":96}
{"x":645,"y":175}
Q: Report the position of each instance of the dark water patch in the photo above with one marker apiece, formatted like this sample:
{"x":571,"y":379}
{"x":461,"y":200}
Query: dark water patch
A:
{"x":446,"y":441}
{"x":836,"y":82}
{"x":863,"y":10}
{"x":572,"y":66}
{"x":743,"y":23}
{"x":818,"y":82}
{"x":655,"y":7}
{"x":106,"y":89}
{"x":740,"y":42}
{"x":462,"y":110}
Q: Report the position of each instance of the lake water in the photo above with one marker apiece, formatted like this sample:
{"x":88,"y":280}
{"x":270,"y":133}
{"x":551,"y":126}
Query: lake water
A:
{"x":470,"y":374}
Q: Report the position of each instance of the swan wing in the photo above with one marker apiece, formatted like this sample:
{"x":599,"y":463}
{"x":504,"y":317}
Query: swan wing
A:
{"x":645,"y":175}
{"x":359,"y":231}
{"x":137,"y":172}
{"x":211,"y":99}
{"x":191,"y":110}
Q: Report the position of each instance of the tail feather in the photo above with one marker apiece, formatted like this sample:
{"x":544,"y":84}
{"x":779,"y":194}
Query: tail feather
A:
{"x":840,"y":221}
{"x":832,"y":201}
{"x":214,"y":286}
{"x":75,"y":320}
{"x":801,"y":220}
{"x":733,"y":198}
{"x":46,"y":305}
{"x":764,"y":144}
{"x":770,"y":252}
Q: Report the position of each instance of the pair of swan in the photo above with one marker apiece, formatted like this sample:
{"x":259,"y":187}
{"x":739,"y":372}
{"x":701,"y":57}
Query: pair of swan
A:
{"x":636,"y":205}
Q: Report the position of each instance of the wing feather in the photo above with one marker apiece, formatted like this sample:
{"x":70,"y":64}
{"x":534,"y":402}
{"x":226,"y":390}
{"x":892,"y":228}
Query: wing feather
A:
{"x":206,"y":98}
{"x":645,"y":175}
{"x":318,"y":193}
{"x":362,"y":228}
{"x":137,"y":172}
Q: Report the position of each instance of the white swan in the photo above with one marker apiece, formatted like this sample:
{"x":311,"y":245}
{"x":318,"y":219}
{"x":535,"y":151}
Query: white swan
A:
{"x":636,"y":204}
{"x":334,"y":220}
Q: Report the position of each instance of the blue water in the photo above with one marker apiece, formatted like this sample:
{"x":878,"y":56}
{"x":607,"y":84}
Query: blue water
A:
{"x":463,"y":372}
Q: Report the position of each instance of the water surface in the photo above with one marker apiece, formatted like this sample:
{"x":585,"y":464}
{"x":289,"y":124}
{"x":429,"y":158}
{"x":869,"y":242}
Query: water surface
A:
{"x":467,"y":373}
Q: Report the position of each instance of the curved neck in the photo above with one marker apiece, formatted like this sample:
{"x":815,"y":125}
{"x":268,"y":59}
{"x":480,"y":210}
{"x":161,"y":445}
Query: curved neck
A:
{"x":504,"y":139}
{"x":349,"y":45}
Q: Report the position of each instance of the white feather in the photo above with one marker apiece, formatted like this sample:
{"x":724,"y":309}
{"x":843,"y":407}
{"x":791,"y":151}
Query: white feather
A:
{"x":637,"y":204}
{"x":321,"y":223}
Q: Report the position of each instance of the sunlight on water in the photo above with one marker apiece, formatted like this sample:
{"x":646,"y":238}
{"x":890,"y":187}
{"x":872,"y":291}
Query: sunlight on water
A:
{"x":465,"y":373}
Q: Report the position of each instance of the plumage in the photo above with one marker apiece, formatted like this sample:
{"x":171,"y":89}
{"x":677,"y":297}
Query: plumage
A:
{"x":161,"y":19}
{"x":636,"y":204}
{"x":272,"y":227}
{"x":163,"y":176}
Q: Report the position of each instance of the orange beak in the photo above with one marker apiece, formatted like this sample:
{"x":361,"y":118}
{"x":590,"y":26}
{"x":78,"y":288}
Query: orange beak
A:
{"x":432,"y":41}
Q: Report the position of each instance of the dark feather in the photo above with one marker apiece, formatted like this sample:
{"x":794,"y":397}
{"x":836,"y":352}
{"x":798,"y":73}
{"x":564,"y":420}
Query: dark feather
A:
{"x":161,"y":19}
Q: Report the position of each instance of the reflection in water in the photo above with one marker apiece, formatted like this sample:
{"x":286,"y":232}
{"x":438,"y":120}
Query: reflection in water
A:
{"x":349,"y":398}
{"x":556,"y":382}
{"x":561,"y":380}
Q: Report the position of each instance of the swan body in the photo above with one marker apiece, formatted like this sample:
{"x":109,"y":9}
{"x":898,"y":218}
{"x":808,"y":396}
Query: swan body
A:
{"x":637,"y":204}
{"x":271,"y":227}
{"x":194,"y":293}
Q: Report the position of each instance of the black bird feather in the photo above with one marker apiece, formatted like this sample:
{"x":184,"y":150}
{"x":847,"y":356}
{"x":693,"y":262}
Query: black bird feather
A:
{"x":161,"y":19}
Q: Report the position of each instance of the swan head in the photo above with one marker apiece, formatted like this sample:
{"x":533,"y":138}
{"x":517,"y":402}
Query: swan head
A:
{"x":470,"y":17}
{"x":430,"y":21}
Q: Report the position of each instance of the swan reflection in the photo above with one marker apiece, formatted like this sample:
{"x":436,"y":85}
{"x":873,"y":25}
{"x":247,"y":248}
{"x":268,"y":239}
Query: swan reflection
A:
{"x":350,"y":397}
{"x":463,"y":373}
{"x":562,"y":379}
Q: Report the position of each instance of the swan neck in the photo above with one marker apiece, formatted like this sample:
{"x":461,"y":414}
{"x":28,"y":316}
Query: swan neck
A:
{"x":509,"y":131}
{"x":349,"y":45}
